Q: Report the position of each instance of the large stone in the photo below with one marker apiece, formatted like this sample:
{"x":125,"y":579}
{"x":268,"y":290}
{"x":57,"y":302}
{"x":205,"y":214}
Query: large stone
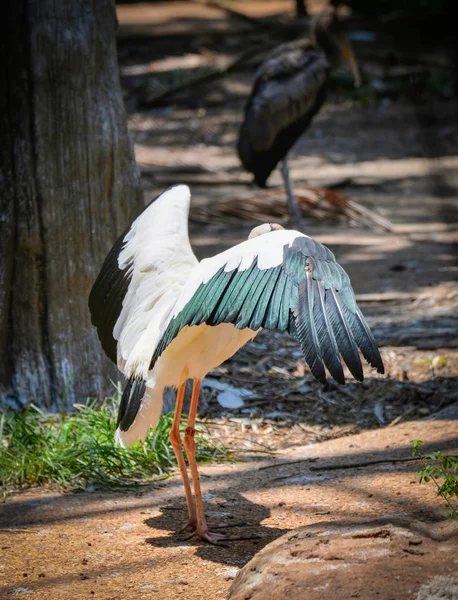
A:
{"x":379,"y":560}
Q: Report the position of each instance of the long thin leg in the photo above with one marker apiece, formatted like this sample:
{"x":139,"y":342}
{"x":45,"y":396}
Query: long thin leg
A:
{"x":190,"y":447}
{"x":293,"y":207}
{"x":202,"y":531}
{"x":175,"y":440}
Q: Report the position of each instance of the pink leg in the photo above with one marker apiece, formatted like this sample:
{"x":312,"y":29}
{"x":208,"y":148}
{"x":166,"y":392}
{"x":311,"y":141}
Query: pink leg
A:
{"x":175,"y":440}
{"x":203,"y":530}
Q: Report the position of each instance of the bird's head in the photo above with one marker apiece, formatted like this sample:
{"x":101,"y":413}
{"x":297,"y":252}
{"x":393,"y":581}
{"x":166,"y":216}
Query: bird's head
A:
{"x":328,"y":32}
{"x":264,"y":228}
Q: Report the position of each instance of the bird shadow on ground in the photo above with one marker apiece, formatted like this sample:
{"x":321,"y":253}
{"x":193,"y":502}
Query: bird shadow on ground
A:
{"x":229,"y":507}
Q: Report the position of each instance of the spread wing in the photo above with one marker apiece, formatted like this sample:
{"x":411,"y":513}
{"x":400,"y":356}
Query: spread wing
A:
{"x":281,"y":280}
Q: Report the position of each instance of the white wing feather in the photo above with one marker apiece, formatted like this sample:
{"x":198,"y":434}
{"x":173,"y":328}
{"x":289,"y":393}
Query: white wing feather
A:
{"x":157,"y":248}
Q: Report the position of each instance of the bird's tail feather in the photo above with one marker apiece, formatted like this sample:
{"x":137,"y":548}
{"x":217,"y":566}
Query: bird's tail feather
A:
{"x":140,"y":409}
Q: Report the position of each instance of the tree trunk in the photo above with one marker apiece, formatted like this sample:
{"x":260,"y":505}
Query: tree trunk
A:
{"x":68,"y":187}
{"x":301,"y":10}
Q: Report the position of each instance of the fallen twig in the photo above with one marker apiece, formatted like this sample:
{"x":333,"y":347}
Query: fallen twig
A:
{"x":364,"y":463}
{"x":287,"y":463}
{"x":400,"y":417}
{"x":336,"y":467}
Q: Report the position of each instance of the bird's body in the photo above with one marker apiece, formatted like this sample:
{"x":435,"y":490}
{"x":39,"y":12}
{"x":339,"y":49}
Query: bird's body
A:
{"x":289,"y":89}
{"x":164,"y":317}
{"x":192,"y":354}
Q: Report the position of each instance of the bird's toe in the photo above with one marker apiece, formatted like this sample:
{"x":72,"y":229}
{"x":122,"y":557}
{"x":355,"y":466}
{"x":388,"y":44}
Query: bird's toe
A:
{"x":218,"y":539}
{"x":213,"y":526}
{"x":191,"y":525}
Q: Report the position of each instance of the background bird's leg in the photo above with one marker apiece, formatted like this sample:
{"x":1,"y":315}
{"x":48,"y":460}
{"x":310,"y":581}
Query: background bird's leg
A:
{"x":175,"y":440}
{"x":295,"y":215}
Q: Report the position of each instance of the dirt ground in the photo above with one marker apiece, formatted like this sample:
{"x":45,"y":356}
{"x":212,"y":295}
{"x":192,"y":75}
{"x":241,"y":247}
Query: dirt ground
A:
{"x":395,"y":152}
{"x":118,"y":546}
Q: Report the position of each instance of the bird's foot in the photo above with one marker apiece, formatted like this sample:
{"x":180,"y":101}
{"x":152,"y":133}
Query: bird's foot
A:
{"x":192,"y":525}
{"x":206,"y":534}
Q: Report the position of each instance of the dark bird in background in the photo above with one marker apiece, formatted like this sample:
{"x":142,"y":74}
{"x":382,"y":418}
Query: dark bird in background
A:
{"x":289,"y":89}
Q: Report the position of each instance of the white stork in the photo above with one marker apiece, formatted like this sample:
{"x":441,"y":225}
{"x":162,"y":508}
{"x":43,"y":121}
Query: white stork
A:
{"x":164,"y":317}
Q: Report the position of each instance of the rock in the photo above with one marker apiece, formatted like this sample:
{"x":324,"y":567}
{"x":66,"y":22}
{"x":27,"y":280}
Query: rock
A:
{"x":387,"y":559}
{"x":439,"y":588}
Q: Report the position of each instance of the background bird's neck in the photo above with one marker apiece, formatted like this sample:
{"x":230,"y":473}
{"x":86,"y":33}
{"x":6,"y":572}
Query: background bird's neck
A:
{"x":330,"y":44}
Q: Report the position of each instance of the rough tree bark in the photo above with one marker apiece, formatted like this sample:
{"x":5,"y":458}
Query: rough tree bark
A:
{"x":68,"y":186}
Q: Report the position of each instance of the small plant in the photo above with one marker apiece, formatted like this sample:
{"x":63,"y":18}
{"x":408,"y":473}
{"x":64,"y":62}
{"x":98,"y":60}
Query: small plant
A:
{"x":73,"y":450}
{"x":443,"y":472}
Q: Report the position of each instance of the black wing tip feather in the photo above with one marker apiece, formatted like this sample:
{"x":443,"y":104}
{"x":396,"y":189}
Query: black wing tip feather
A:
{"x":378,"y":364}
{"x":107,"y":295}
{"x":343,"y":334}
{"x":370,"y":349}
{"x":130,"y":402}
{"x":305,"y":327}
{"x":326,"y":339}
{"x":329,"y":333}
{"x":364,"y":339}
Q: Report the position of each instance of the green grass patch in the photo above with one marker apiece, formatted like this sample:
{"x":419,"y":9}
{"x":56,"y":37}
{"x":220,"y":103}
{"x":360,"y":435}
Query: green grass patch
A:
{"x":76,"y":450}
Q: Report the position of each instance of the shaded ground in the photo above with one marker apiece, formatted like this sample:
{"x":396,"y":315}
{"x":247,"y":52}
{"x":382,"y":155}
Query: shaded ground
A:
{"x":122,"y":545}
{"x":396,"y":152}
